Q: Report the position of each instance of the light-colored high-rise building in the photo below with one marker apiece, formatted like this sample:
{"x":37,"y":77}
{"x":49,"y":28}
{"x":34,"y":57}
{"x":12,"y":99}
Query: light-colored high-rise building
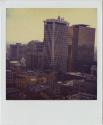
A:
{"x":56,"y":44}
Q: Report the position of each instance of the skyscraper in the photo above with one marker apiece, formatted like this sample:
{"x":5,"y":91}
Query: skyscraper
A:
{"x":56,"y":44}
{"x":82,"y":53}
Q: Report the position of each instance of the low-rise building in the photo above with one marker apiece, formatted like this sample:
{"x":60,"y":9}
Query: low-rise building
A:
{"x":82,"y":96}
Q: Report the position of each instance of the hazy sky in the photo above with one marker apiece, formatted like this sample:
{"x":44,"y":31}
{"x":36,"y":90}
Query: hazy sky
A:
{"x":24,"y":24}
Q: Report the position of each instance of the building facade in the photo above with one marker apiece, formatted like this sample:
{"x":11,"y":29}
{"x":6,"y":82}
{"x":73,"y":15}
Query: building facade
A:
{"x":56,"y":44}
{"x":34,"y":55}
{"x":17,"y":51}
{"x":82,"y":51}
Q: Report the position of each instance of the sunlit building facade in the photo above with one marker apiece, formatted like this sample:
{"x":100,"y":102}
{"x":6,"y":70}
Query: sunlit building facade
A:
{"x":56,"y":44}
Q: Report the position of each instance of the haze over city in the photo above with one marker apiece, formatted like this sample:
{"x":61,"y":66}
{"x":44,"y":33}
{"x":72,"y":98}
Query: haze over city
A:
{"x":26,"y":24}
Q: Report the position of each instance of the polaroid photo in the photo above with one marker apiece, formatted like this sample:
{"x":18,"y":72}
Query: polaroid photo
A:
{"x":51,"y":62}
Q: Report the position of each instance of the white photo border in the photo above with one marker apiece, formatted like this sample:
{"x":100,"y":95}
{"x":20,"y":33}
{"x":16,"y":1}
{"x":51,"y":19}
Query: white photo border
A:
{"x":51,"y":112}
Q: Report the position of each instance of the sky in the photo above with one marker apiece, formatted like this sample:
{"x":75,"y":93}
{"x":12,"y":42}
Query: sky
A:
{"x":26,"y":24}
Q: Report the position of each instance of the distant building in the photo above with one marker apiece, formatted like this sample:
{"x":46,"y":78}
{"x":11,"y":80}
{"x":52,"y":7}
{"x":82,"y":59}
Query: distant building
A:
{"x":34,"y":56}
{"x":7,"y":63}
{"x":82,"y":96}
{"x":17,"y":51}
{"x":10,"y":78}
{"x":82,"y":53}
{"x":56,"y":44}
{"x":69,"y":48}
{"x":82,"y":82}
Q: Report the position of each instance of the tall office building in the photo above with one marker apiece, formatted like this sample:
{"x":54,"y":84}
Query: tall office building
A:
{"x":56,"y":44}
{"x":82,"y":52}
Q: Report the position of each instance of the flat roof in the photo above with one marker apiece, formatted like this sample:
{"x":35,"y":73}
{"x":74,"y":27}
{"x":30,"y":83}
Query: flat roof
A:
{"x":84,"y":25}
{"x":58,"y":20}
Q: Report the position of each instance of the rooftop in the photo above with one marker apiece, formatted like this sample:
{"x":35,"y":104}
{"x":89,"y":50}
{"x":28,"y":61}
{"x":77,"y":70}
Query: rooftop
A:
{"x":58,"y":20}
{"x":82,"y":95}
{"x":83,"y":25}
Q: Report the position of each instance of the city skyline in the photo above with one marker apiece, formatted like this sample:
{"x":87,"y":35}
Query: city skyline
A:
{"x":24,"y":21}
{"x":61,"y":67}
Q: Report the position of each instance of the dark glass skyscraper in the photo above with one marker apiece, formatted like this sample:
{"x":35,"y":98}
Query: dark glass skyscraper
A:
{"x":82,"y":52}
{"x":56,"y":44}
